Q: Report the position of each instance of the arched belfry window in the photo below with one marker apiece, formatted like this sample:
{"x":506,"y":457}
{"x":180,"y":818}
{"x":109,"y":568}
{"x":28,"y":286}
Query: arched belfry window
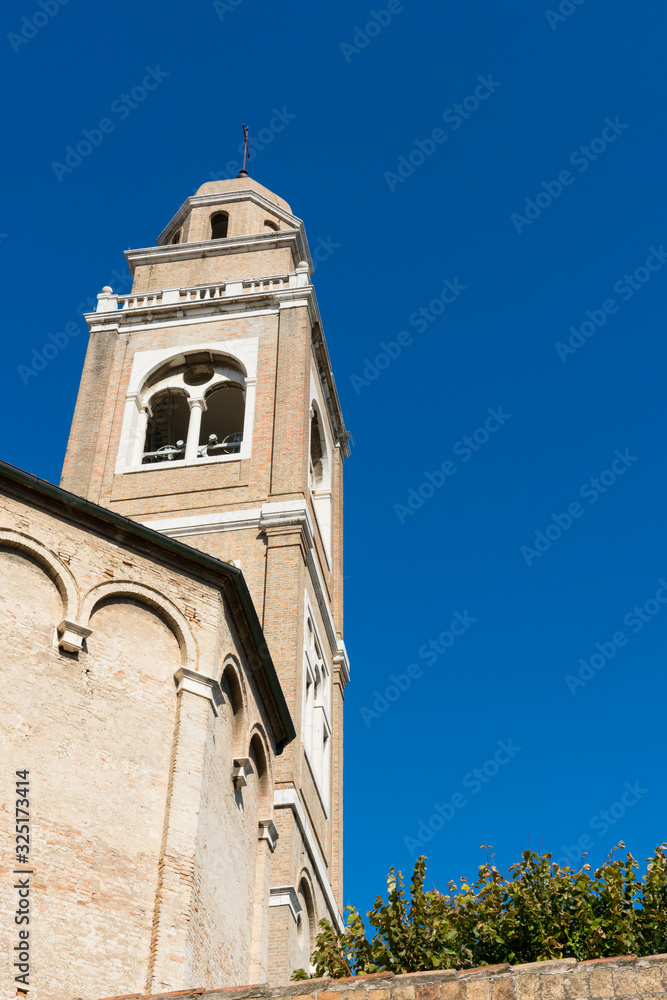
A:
{"x":195,"y":410}
{"x":317,"y":454}
{"x":219,"y":225}
{"x":167,"y":428}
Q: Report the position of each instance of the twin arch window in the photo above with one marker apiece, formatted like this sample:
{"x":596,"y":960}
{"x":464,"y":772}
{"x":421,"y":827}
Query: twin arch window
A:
{"x":185,"y":426}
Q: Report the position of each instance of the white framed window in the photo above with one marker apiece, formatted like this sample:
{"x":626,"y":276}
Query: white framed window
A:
{"x":319,"y":475}
{"x":316,"y":708}
{"x":189,"y":408}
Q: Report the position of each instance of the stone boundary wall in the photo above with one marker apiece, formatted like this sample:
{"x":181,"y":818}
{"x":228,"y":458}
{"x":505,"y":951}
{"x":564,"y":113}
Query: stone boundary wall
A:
{"x":623,"y":978}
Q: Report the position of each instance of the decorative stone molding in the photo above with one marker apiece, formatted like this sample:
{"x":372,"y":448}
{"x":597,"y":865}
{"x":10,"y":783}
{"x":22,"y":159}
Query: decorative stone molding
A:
{"x":243,"y":768}
{"x":237,"y":361}
{"x":288,"y":798}
{"x":286,"y":895}
{"x":268,"y":832}
{"x":288,"y":513}
{"x":204,"y":524}
{"x":199,"y":684}
{"x":71,"y":636}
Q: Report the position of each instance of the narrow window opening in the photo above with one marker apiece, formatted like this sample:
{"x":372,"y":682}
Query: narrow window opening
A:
{"x":219,"y":226}
{"x":271,"y":225}
{"x":316,"y":454}
{"x":176,"y":238}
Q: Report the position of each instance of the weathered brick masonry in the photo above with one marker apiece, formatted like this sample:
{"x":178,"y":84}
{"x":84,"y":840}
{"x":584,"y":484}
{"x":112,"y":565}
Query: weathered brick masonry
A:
{"x":624,"y":978}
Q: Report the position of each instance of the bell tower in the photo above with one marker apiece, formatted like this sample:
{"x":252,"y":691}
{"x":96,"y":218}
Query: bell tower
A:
{"x":208,"y":411}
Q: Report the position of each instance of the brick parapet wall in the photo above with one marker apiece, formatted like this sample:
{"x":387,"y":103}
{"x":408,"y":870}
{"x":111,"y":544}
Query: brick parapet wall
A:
{"x":624,"y":978}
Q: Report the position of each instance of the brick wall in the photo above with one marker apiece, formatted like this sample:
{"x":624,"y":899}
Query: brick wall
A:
{"x":625,"y":978}
{"x":146,"y":858}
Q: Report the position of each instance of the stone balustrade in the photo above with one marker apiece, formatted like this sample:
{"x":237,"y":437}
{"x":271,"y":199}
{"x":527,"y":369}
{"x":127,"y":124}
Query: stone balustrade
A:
{"x":108,"y":302}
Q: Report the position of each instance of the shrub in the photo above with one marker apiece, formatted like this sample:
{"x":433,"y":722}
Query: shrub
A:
{"x":541,"y":911}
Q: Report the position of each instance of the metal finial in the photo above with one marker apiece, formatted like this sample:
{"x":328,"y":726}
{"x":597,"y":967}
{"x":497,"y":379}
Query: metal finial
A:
{"x":243,"y":172}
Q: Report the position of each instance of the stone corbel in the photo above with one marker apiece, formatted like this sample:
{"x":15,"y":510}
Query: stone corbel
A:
{"x":268,"y":832}
{"x":243,"y":768}
{"x":200,"y":685}
{"x":342,"y":662}
{"x":71,"y":636}
{"x":286,"y":895}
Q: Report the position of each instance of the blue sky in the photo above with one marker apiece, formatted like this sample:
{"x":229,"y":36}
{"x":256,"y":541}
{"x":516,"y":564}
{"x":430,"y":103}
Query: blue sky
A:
{"x":540,"y":200}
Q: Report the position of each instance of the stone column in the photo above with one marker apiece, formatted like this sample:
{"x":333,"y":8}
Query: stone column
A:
{"x":197,"y":407}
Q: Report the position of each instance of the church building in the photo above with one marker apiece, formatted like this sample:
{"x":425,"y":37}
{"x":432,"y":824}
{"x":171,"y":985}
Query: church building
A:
{"x":171,"y":622}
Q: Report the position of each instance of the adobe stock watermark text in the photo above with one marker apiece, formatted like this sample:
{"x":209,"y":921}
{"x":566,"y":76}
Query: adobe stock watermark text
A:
{"x":591,"y":491}
{"x":474,"y":781}
{"x":463,"y":449}
{"x":581,"y":158}
{"x":454,"y":117}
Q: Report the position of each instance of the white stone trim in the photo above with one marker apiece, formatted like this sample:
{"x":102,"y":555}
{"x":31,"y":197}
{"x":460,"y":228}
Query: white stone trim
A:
{"x":285,"y":895}
{"x":173,"y":320}
{"x":199,"y":684}
{"x":243,"y":767}
{"x":144,"y":364}
{"x":71,"y":636}
{"x":213,"y":309}
{"x":287,"y":798}
{"x":342,"y":661}
{"x":204,"y":524}
{"x":288,"y":512}
{"x":269,"y":833}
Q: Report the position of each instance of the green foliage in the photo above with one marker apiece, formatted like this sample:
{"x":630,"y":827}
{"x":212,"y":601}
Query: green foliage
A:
{"x":541,"y":911}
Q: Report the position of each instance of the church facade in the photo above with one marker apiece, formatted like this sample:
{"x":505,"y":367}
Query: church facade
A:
{"x":172,"y":624}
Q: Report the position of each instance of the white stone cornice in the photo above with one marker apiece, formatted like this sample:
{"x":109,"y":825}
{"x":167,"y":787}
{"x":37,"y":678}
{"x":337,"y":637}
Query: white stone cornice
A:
{"x":287,"y":798}
{"x":288,"y":512}
{"x":292,"y":239}
{"x":199,"y":684}
{"x":285,"y":895}
{"x":205,"y":524}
